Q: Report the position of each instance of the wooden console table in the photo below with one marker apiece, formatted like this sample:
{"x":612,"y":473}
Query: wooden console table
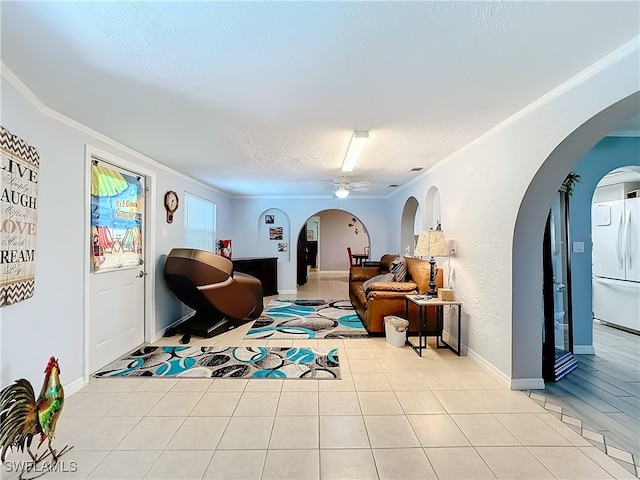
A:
{"x":264,"y":269}
{"x":422,"y":302}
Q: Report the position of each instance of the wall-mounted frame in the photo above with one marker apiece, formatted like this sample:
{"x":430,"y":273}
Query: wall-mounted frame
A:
{"x":20,"y":165}
{"x":275,"y":233}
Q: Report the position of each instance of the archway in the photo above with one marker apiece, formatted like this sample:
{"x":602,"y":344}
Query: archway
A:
{"x":433,"y":217}
{"x":410,"y":225}
{"x":527,"y":240}
{"x":334,"y":230}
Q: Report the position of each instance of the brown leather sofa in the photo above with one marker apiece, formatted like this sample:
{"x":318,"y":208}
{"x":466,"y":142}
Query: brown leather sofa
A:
{"x":388,"y":298}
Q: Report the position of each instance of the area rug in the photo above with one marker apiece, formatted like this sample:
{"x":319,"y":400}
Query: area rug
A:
{"x":226,"y":362}
{"x":297,"y":319}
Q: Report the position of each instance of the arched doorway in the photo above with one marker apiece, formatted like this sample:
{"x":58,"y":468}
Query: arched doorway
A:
{"x":410,"y":226}
{"x":528,"y":233}
{"x":329,"y":232}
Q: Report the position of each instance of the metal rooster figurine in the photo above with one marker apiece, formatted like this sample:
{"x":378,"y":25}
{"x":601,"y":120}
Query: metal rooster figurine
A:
{"x":22,"y":416}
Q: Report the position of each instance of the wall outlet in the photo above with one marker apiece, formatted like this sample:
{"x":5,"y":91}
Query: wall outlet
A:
{"x":578,"y":247}
{"x":452,"y":247}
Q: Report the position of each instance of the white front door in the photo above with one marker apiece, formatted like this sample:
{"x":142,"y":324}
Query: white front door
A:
{"x":117,"y":277}
{"x":117,"y":316}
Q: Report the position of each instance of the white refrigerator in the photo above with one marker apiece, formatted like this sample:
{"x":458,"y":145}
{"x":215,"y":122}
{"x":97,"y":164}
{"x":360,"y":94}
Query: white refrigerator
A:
{"x":616,"y":262}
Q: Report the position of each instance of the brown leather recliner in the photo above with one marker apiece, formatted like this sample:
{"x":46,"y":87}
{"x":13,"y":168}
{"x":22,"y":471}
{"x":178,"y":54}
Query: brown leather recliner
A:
{"x":388,"y":298}
{"x":222,"y":299}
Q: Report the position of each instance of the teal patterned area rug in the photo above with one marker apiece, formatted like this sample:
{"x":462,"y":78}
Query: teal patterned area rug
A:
{"x":226,"y":362}
{"x":296,"y":319}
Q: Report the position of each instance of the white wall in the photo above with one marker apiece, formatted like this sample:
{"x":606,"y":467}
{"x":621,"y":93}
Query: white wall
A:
{"x":51,"y":322}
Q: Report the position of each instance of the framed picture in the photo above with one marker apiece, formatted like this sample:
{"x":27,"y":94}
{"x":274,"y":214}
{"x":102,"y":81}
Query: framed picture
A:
{"x":282,"y":247}
{"x":275,"y":233}
{"x":269,"y":219}
{"x":224,"y":248}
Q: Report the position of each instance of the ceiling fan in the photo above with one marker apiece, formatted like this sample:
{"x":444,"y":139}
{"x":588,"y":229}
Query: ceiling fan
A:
{"x":342,"y":186}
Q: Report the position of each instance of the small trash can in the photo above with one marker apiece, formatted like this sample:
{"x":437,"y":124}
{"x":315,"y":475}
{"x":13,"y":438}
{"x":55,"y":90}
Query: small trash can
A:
{"x":395,"y":329}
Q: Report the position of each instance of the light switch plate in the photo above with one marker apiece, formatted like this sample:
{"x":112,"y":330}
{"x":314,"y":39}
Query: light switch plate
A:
{"x":164,"y":233}
{"x":578,"y":247}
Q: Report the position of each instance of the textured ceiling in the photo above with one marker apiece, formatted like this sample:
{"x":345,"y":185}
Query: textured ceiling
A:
{"x":260,"y":98}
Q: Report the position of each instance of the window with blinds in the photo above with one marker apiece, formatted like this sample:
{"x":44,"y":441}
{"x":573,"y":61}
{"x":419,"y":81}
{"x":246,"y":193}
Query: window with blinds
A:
{"x":199,"y":223}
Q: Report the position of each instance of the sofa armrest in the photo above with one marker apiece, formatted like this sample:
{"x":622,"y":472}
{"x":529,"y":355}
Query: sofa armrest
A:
{"x":402,"y":287}
{"x":361,"y":274}
{"x":389,"y":295}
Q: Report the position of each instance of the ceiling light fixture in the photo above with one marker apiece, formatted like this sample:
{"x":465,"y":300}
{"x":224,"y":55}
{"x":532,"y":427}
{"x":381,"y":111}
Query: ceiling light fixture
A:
{"x":358,"y":141}
{"x":341,"y":191}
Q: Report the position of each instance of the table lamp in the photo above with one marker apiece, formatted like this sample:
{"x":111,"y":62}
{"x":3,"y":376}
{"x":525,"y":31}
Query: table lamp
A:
{"x":431,"y":243}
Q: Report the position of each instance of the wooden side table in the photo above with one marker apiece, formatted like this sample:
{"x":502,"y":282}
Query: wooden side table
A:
{"x":422,"y":303}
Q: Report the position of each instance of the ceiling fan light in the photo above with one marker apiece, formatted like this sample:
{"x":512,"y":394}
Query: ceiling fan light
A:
{"x":358,"y":141}
{"x":341,"y":192}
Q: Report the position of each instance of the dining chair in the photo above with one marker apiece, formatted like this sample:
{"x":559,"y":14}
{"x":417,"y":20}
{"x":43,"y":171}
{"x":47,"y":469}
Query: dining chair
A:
{"x":352,"y":262}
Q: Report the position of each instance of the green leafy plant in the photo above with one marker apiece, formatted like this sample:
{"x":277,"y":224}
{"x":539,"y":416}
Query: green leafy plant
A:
{"x":570,"y":181}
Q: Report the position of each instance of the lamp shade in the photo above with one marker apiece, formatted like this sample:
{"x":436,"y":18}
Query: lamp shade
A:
{"x":431,"y":243}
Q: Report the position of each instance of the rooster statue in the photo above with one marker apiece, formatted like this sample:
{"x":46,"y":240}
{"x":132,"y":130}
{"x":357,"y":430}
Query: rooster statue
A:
{"x":22,"y":416}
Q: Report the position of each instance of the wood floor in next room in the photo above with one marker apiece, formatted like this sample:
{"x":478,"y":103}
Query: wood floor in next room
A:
{"x":604,"y":390}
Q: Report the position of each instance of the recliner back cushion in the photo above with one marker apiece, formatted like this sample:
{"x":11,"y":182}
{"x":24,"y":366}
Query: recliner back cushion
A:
{"x":419,"y":271}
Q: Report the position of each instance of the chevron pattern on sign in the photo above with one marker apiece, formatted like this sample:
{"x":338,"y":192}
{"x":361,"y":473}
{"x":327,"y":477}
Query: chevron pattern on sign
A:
{"x":14,"y":145}
{"x":16,"y":292}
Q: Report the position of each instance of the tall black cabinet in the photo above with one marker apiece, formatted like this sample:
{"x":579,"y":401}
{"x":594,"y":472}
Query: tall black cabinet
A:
{"x":557,"y":350}
{"x":264,"y":269}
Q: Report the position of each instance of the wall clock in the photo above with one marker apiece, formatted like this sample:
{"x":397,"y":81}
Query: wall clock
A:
{"x":170,"y":204}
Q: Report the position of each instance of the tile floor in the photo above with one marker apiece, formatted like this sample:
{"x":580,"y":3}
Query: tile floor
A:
{"x":393,"y":415}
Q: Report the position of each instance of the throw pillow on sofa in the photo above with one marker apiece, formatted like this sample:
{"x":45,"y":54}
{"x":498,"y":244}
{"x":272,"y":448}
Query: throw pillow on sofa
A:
{"x":385,"y":277}
{"x":399,"y":269}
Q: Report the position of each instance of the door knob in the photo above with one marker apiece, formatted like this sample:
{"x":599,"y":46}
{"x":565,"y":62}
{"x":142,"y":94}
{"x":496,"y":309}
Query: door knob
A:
{"x":141,"y":273}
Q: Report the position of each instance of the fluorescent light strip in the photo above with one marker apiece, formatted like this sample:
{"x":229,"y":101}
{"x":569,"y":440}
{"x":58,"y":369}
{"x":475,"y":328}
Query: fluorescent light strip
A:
{"x":358,"y":141}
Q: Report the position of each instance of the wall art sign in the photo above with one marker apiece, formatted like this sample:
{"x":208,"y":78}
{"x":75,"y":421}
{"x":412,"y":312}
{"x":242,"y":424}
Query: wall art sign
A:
{"x":19,"y":168}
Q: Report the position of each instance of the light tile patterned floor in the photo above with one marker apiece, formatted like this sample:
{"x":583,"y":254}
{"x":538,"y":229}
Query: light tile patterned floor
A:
{"x":439,"y":416}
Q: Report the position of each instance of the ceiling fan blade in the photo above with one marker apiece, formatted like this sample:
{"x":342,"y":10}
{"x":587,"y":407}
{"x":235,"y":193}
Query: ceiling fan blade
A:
{"x":362,"y":184}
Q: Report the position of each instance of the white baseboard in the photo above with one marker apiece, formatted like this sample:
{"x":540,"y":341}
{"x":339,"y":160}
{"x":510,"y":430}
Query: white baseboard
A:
{"x":488,"y":367}
{"x":510,"y":383}
{"x":527,"y":384}
{"x":287,"y":292}
{"x":584,"y":350}
{"x":74,"y":386}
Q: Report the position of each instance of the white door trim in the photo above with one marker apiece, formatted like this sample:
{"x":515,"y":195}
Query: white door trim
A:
{"x":149,"y":245}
